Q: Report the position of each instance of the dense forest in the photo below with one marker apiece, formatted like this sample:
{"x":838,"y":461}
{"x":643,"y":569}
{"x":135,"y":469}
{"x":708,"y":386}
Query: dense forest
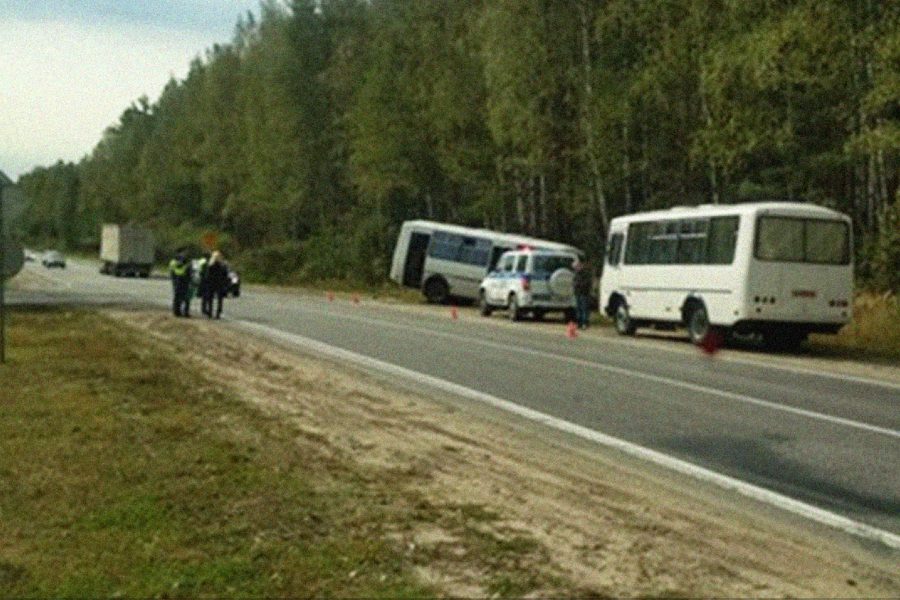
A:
{"x":323,"y":124}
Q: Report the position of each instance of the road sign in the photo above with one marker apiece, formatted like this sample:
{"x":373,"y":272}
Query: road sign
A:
{"x":13,"y":257}
{"x":210,"y":240}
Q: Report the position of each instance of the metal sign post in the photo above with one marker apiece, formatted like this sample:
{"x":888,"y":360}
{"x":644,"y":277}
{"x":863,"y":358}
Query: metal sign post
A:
{"x":2,"y":282}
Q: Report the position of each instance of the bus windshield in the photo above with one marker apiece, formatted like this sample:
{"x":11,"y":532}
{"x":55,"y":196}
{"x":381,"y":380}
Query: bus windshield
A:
{"x":791,"y":239}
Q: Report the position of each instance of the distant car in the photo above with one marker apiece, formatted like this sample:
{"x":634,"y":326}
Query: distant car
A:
{"x":234,"y":283}
{"x":52,"y":258}
{"x":530,"y":281}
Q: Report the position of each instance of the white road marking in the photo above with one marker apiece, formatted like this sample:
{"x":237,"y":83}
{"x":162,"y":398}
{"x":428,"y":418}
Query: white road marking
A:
{"x":761,"y":494}
{"x":643,"y":343}
{"x":626,"y":372}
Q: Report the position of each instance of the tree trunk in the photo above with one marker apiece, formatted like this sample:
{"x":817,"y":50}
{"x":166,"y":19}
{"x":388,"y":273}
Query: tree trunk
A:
{"x":598,"y":198}
{"x":626,"y":166}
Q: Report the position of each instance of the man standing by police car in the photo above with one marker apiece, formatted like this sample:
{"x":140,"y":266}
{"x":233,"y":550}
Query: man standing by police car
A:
{"x":180,"y":272}
{"x":582,"y":284}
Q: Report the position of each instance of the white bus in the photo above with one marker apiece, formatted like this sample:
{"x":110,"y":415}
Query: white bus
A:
{"x":450,"y":260}
{"x":782,"y":270}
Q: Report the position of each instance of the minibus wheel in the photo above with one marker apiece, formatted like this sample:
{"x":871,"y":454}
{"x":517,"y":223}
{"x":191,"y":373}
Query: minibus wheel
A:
{"x":624,"y":324}
{"x":698,"y":324}
{"x":436,"y":291}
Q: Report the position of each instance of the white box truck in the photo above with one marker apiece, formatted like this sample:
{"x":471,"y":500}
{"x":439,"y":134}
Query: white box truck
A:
{"x":126,"y":250}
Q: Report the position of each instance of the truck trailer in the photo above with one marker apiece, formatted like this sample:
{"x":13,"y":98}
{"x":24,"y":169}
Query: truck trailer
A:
{"x":126,"y":250}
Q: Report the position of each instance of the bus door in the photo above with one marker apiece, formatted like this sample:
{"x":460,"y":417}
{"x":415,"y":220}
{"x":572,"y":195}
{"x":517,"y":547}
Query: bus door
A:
{"x":415,"y":259}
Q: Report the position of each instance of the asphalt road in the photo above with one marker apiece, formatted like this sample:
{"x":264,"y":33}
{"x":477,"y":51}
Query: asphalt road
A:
{"x":827,"y":440}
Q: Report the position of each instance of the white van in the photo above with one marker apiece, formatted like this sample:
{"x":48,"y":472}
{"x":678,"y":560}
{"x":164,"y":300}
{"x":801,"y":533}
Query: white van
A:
{"x":783,"y":270}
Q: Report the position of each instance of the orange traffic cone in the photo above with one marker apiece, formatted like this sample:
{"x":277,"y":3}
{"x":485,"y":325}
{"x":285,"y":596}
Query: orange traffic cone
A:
{"x":571,"y":330}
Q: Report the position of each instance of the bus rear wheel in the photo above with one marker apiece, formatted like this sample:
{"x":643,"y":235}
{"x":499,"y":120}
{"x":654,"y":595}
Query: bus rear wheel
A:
{"x":785,"y":340}
{"x":436,"y":291}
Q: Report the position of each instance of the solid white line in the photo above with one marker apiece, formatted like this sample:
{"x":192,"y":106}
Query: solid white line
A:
{"x":732,"y":359}
{"x":786,"y":503}
{"x":626,"y":372}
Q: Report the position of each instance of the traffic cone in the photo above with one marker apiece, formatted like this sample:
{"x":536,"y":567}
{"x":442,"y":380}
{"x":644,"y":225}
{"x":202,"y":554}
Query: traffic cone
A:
{"x":454,"y":313}
{"x":712,"y":343}
{"x":571,"y":330}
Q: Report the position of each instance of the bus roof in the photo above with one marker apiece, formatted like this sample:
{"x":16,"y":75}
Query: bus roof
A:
{"x":713,"y":210}
{"x":503,"y":238}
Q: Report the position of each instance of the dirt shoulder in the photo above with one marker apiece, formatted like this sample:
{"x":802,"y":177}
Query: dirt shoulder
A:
{"x":554,"y":515}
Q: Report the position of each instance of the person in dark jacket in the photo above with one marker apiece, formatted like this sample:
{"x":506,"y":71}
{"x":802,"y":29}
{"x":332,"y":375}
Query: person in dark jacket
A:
{"x":582,"y":285}
{"x":180,"y":272}
{"x":217,"y":282}
{"x":203,"y":289}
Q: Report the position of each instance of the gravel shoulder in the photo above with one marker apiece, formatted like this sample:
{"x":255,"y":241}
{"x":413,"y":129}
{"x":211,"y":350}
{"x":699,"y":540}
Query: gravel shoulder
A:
{"x":594,"y":522}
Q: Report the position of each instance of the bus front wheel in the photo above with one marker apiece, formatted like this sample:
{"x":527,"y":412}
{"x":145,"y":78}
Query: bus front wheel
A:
{"x":698,"y":324}
{"x":624,"y":324}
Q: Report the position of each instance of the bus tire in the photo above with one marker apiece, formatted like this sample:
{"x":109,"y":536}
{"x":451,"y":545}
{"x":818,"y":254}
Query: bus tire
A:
{"x":514,"y":312}
{"x":436,"y":291}
{"x":483,"y":307}
{"x":624,"y":324}
{"x":698,"y":324}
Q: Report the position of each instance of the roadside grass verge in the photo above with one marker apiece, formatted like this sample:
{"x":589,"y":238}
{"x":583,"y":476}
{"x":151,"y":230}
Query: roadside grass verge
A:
{"x":125,"y":472}
{"x":874,"y":332}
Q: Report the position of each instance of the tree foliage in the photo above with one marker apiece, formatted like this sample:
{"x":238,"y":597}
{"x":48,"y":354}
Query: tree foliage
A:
{"x":323,"y":124}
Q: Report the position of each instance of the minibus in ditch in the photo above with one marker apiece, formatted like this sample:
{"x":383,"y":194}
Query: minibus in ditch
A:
{"x":445,"y":260}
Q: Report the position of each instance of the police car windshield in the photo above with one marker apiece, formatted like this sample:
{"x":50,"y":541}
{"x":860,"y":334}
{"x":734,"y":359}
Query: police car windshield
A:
{"x":548,"y":263}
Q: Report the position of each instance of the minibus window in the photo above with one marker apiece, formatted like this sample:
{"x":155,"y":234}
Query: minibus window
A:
{"x":721,"y":240}
{"x":827,"y":242}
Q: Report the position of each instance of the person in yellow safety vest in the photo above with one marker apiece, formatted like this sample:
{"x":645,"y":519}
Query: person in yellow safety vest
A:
{"x":180,"y":272}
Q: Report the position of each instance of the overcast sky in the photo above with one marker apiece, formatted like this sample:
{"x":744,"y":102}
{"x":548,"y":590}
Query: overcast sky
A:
{"x":68,"y":68}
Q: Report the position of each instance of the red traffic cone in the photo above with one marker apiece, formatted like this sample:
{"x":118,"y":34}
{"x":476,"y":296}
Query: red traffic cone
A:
{"x":571,"y":330}
{"x":454,"y":313}
{"x":330,"y":296}
{"x":712,"y":343}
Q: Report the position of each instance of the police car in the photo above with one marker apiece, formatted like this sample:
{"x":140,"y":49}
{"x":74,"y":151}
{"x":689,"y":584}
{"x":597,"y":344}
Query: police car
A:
{"x":530,"y":281}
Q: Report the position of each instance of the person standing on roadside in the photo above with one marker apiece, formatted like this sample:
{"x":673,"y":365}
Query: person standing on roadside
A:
{"x":582,"y":284}
{"x":180,"y":273}
{"x":217,"y":282}
{"x":203,"y":289}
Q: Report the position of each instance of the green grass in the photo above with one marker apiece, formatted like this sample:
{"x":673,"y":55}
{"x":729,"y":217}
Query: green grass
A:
{"x":124,"y":472}
{"x":873,"y":334}
{"x":121,"y":474}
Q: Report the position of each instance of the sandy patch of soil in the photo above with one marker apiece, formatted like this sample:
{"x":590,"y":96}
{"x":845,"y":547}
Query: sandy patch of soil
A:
{"x":604,"y":525}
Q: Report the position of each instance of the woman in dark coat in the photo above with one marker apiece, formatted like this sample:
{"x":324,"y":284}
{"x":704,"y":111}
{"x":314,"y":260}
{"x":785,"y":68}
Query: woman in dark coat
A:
{"x":217,"y":280}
